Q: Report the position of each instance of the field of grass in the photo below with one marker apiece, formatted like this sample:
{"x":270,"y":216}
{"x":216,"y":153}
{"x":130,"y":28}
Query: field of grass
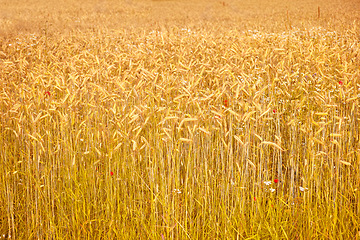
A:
{"x":179,"y":119}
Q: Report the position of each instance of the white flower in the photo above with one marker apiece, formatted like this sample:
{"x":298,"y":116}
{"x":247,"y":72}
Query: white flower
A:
{"x":303,"y":189}
{"x":177,"y":191}
{"x":267,"y":183}
{"x":272,"y":189}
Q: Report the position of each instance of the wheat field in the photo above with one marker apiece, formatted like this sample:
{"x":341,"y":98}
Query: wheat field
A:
{"x":179,"y":119}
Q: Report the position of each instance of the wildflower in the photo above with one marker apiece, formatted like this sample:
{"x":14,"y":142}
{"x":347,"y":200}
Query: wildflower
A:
{"x":178,"y":191}
{"x":267,"y":183}
{"x":274,"y":110}
{"x":254,"y":198}
{"x":272,"y":189}
{"x":47,"y":93}
{"x":303,"y":189}
{"x":276,"y":180}
{"x":226,"y":103}
{"x":111,"y":173}
{"x":341,"y":82}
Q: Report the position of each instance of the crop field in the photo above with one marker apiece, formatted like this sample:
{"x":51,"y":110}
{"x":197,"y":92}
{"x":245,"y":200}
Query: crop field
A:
{"x":179,"y":119}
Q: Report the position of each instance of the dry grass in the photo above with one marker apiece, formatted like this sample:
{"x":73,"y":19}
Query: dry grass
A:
{"x":200,"y":126}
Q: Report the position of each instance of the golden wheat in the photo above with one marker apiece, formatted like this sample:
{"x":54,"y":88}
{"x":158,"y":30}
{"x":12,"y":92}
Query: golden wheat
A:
{"x":182,"y":132}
